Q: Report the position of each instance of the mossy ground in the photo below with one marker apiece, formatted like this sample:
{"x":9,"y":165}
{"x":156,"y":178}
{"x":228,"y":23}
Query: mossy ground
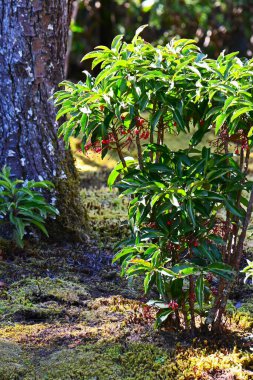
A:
{"x":66,"y":314}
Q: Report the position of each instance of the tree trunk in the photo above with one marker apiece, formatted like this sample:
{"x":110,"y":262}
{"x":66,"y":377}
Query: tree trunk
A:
{"x":33,"y":45}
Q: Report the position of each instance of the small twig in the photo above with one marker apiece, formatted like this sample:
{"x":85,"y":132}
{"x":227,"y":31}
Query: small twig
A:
{"x":159,"y":137}
{"x":139,"y":152}
{"x":246,"y":162}
{"x":239,"y":248}
{"x":186,"y":324}
{"x":241,"y":159}
{"x":191,"y":304}
{"x":120,"y":154}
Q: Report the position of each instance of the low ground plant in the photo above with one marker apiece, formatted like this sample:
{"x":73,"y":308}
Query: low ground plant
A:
{"x":23,"y":206}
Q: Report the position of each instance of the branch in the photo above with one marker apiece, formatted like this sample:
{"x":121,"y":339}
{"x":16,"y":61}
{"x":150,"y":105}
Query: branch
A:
{"x":138,"y":144}
{"x":242,"y":237}
{"x":120,"y":154}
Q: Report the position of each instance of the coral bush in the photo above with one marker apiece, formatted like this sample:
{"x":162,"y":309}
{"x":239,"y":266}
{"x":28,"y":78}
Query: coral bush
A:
{"x":189,"y":209}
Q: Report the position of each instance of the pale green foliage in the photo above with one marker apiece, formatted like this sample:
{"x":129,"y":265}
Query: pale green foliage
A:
{"x":248,"y":270}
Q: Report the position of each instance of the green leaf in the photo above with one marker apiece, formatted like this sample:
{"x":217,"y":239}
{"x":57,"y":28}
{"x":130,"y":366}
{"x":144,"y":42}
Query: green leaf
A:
{"x":154,"y":120}
{"x":176,"y":287}
{"x":125,"y":252}
{"x":221,"y":269}
{"x":64,"y":111}
{"x":162,"y":317}
{"x":199,"y":290}
{"x":233,"y":209}
{"x":167,"y":272}
{"x":160,"y":284}
{"x":138,"y":32}
{"x":240,"y":112}
{"x":116,"y":43}
{"x":185,"y":269}
{"x":106,"y":73}
{"x":40,"y":226}
{"x":149,"y":281}
{"x":207,"y":253}
{"x":191,"y":212}
{"x":158,"y":304}
{"x":119,"y":168}
{"x":220,"y":120}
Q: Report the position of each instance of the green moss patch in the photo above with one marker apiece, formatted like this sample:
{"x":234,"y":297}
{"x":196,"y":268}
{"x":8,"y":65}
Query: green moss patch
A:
{"x":107,"y":214}
{"x":138,"y":361}
{"x":40,"y":299}
{"x":242,"y":318}
{"x":14,"y":364}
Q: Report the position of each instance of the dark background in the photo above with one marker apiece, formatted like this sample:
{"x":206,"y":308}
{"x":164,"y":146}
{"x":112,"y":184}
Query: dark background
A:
{"x":215,"y":25}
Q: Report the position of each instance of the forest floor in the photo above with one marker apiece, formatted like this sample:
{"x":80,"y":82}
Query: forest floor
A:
{"x":67,"y":314}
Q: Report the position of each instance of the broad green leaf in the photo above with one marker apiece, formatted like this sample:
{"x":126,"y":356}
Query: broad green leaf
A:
{"x":116,"y":43}
{"x":219,"y":121}
{"x":138,"y":32}
{"x":162,"y":317}
{"x":240,"y":112}
{"x":232,"y":208}
{"x":221,"y":269}
{"x":148,"y":281}
{"x":191,"y":212}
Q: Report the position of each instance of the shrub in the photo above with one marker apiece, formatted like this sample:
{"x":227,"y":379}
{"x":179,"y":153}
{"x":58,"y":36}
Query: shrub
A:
{"x":189,"y":209}
{"x":22,"y":206}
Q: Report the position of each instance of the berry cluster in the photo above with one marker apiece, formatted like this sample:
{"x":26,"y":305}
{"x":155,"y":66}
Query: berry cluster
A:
{"x":119,"y":135}
{"x":221,"y":228}
{"x":172,"y":247}
{"x":152,"y":225}
{"x":98,"y":145}
{"x":139,"y":130}
{"x":239,"y":138}
{"x":173,"y":305}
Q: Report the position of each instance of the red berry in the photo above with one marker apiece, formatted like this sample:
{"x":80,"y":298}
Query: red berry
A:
{"x":101,"y":108}
{"x":169,"y":223}
{"x":195,"y":243}
{"x":122,"y":117}
{"x":192,"y":297}
{"x":136,"y":131}
{"x":237,"y":151}
{"x":173,"y":305}
{"x":139,"y":121}
{"x":105,"y":141}
{"x":87,"y":146}
{"x":146,"y":135}
{"x":175,"y":123}
{"x":201,"y":123}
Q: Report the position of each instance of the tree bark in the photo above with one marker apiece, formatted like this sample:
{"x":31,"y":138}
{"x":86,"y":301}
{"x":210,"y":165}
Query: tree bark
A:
{"x":33,"y":45}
